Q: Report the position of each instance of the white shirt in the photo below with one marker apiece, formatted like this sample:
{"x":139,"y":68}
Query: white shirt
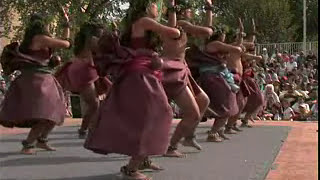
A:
{"x":288,"y":113}
{"x":291,"y":66}
{"x":265,"y":58}
{"x":314,"y":108}
{"x":296,"y":106}
{"x":271,"y":98}
{"x":282,"y":71}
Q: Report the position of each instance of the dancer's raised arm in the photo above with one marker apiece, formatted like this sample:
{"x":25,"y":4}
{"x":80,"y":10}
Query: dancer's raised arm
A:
{"x":49,"y":42}
{"x":209,"y":14}
{"x":220,"y":47}
{"x":195,"y":30}
{"x":172,"y":8}
{"x":254,"y":32}
{"x":239,"y":40}
{"x":148,"y":24}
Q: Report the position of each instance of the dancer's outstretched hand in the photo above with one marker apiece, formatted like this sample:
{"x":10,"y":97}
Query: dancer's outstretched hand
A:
{"x":65,"y":13}
{"x":171,"y":2}
{"x":209,"y":2}
{"x":254,"y":26}
{"x":241,"y":28}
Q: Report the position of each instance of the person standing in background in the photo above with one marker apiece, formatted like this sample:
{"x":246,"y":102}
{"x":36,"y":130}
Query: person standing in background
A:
{"x":301,"y":58}
{"x":3,"y":90}
{"x":265,"y":57}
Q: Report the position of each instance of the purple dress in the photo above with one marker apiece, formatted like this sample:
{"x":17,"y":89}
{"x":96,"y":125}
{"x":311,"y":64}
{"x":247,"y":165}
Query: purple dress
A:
{"x":76,"y":75}
{"x":223,"y":101}
{"x":34,"y":95}
{"x":255,"y":99}
{"x":176,"y":76}
{"x":136,"y":117}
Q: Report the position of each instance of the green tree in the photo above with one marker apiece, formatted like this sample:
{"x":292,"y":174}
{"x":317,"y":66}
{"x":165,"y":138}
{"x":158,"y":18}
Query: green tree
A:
{"x":276,"y":20}
{"x":79,"y":12}
{"x":296,"y":7}
{"x":272,"y":17}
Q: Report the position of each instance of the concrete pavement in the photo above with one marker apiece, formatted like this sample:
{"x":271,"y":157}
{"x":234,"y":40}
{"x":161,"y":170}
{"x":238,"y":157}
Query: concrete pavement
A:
{"x":248,"y":155}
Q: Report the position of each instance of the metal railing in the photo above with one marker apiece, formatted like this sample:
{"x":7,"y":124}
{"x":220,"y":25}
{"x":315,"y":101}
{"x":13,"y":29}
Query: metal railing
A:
{"x":291,"y":47}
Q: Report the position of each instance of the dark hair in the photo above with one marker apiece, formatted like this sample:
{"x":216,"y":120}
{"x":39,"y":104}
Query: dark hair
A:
{"x":137,"y":10}
{"x":290,"y":74}
{"x":87,"y":30}
{"x":218,"y":30}
{"x":183,"y":6}
{"x":315,"y":66}
{"x":231,"y":35}
{"x":36,"y":26}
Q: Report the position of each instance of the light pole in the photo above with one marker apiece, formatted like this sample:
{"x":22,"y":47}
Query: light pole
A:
{"x":305,"y":26}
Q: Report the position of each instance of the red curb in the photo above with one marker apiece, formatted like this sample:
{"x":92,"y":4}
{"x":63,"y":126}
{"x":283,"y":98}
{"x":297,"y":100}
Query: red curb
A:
{"x":298,"y":157}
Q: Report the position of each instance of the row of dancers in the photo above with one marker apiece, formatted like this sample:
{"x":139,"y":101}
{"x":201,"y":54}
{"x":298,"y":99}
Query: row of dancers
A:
{"x":136,"y":117}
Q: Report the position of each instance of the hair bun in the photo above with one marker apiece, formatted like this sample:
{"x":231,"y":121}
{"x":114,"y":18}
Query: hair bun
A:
{"x":36,"y":16}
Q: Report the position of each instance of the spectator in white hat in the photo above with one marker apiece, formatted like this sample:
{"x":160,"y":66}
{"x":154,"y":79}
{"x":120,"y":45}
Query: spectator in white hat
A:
{"x":265,"y":56}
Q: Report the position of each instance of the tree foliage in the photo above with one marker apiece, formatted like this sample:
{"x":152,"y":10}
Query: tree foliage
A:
{"x":276,"y":20}
{"x":272,"y":17}
{"x":296,"y":7}
{"x":79,"y":12}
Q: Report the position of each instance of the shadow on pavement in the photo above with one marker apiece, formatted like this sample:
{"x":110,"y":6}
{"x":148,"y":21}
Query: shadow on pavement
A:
{"x":34,"y":161}
{"x":64,"y":132}
{"x":68,"y":144}
{"x":50,"y":139}
{"x":6,"y":154}
{"x":116,"y":176}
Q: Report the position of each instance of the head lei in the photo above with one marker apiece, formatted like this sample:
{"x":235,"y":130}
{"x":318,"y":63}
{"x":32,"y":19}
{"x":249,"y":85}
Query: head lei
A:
{"x":231,"y":35}
{"x":218,"y":30}
{"x":183,"y":5}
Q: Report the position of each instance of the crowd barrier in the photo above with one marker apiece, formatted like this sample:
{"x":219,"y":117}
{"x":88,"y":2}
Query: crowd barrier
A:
{"x":290,"y":47}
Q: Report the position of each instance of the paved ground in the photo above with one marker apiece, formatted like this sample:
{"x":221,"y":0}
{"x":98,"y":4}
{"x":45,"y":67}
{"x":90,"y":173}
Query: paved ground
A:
{"x":248,"y":156}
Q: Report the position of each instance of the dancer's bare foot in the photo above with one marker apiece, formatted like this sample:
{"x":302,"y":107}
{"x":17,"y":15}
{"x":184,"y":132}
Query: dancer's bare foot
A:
{"x":133,"y":174}
{"x":214,"y":137}
{"x":222,"y":135}
{"x":191,"y":142}
{"x":258,"y":118}
{"x":246,"y":125}
{"x":236,"y":129}
{"x":82,"y":134}
{"x":230,"y":131}
{"x":173,"y":152}
{"x":45,"y":146}
{"x":28,"y":151}
{"x":148,"y":164}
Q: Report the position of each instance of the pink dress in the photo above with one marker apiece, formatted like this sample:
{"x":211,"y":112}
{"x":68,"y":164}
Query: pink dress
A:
{"x":255,"y":99}
{"x":34,"y":95}
{"x":136,"y":117}
{"x":75,"y":75}
{"x":223,"y":101}
{"x":176,"y":77}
